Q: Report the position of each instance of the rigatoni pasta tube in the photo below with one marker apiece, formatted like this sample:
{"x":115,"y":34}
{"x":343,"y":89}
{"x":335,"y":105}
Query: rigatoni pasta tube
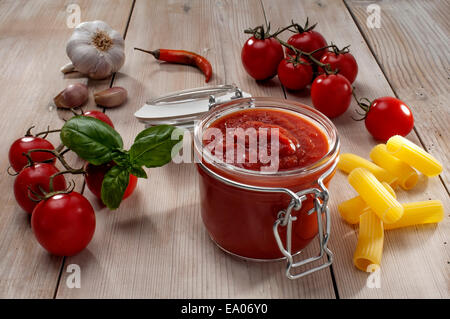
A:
{"x":351,"y":209}
{"x":426,"y":212}
{"x":348,"y":162}
{"x":370,"y":241}
{"x":407,"y":176}
{"x":387,"y":208}
{"x":413,"y":155}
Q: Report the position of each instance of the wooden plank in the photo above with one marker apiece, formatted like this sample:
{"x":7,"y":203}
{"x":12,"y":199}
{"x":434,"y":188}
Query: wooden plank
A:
{"x":33,"y":37}
{"x":155,"y":245}
{"x":413,"y":49}
{"x":415,"y":260}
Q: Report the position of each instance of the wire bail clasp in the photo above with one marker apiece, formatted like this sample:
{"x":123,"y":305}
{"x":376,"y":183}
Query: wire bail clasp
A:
{"x":285,"y":219}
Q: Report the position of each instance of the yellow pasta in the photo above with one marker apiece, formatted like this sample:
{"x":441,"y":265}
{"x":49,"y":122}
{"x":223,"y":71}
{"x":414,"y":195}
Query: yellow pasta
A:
{"x":370,"y":242}
{"x":417,"y":213}
{"x":407,"y":176}
{"x":351,"y":209}
{"x":348,"y":162}
{"x":413,"y":155}
{"x":383,"y":204}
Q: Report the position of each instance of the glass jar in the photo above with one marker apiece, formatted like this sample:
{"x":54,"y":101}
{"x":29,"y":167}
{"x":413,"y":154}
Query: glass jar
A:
{"x":267,"y":215}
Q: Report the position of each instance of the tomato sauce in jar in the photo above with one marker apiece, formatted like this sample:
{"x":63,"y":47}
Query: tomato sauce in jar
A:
{"x":241,"y":220}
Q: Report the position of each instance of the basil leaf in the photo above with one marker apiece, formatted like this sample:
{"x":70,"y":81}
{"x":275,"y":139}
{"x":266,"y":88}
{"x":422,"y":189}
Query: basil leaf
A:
{"x":138,"y":172}
{"x":92,"y":139}
{"x":153,"y":146}
{"x":114,"y":185}
{"x":155,"y":130}
{"x":121,"y":157}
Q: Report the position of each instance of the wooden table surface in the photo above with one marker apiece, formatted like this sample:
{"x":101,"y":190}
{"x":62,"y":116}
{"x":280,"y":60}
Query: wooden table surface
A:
{"x":155,"y":245}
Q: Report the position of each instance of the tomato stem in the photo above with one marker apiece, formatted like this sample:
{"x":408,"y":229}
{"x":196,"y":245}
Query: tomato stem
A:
{"x":364,"y":103}
{"x":59,"y":156}
{"x":325,"y":67}
{"x":45,"y":133}
{"x":69,"y":189}
{"x":279,"y":31}
{"x":306,"y":28}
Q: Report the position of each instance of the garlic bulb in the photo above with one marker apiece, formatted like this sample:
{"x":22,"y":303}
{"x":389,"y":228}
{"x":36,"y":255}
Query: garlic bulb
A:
{"x":95,"y":50}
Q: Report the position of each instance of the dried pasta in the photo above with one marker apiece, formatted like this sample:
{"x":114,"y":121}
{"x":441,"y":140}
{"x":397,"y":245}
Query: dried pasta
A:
{"x":413,"y":155}
{"x":426,"y":212}
{"x":370,"y":242}
{"x":407,"y":176}
{"x":348,"y":162}
{"x":383,"y":204}
{"x":351,"y":209}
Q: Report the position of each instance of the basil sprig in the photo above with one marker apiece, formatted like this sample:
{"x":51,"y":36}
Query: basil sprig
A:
{"x":98,"y":143}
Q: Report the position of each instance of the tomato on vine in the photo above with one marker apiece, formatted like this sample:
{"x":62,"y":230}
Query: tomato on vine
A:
{"x":261,"y":54}
{"x":386,"y":116}
{"x":64,"y":223}
{"x":307,"y":40}
{"x":94,"y":178}
{"x":24,"y":144}
{"x":295,"y":73}
{"x":33,"y":181}
{"x":99,"y":116}
{"x":341,"y":60}
{"x":331,"y":94}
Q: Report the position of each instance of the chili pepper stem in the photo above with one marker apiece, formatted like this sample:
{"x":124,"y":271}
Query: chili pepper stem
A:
{"x":155,"y":53}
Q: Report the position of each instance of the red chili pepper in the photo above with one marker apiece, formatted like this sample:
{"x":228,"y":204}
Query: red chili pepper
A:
{"x":183,"y":57}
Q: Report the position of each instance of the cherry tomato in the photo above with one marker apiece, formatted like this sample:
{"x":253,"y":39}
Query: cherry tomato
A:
{"x":16,"y":158}
{"x":331,"y":94}
{"x":100,"y":116}
{"x":308,"y":41}
{"x":94,"y":179}
{"x":295,"y":75}
{"x":64,"y":224}
{"x":344,"y":62}
{"x":261,"y":57}
{"x":388,"y":116}
{"x":35,"y":177}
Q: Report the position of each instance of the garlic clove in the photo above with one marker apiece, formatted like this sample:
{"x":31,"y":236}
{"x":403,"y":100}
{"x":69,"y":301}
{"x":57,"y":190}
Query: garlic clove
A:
{"x":111,"y":97}
{"x":69,"y":67}
{"x":74,"y":95}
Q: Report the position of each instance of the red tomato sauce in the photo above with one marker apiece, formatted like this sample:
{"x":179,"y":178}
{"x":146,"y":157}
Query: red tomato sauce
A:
{"x":241,"y":221}
{"x":301,"y":143}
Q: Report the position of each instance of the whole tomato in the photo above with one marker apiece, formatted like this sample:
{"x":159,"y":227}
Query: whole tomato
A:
{"x":344,"y":62}
{"x":295,"y":74}
{"x":307,"y":40}
{"x":64,"y":224}
{"x":261,"y":57}
{"x":388,"y":116}
{"x":95,"y":175}
{"x":36,"y":177}
{"x":22,"y":145}
{"x":331,"y":94}
{"x":100,"y":116}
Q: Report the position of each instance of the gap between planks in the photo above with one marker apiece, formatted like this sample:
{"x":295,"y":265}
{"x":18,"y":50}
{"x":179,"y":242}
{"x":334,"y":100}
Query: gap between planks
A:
{"x":113,"y":77}
{"x":331,"y":270}
{"x":372,"y":51}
